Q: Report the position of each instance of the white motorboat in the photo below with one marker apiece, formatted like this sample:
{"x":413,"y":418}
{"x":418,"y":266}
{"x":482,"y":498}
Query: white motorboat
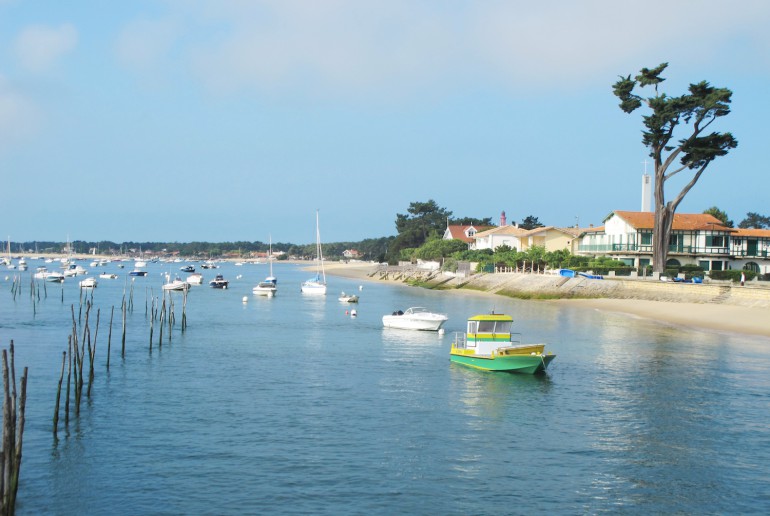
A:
{"x":195,"y":278}
{"x":88,"y":283}
{"x":107,"y":275}
{"x":176,"y":284}
{"x":346,"y":298}
{"x":54,"y":277}
{"x":415,"y":318}
{"x":317,"y":284}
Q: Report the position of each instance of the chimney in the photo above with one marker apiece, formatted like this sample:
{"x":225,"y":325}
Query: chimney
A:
{"x":502,"y":219}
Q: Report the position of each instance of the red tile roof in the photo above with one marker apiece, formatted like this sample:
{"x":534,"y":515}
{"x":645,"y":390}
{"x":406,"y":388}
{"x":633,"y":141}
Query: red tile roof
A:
{"x":682,"y":221}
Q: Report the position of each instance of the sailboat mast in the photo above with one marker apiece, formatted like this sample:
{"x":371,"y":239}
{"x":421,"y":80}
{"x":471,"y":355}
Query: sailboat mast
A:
{"x":318,"y":247}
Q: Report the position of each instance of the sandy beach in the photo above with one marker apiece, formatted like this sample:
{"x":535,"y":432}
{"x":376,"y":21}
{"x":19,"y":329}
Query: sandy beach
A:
{"x":710,"y":316}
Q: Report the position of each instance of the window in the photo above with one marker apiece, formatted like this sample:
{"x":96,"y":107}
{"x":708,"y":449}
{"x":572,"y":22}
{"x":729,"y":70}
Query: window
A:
{"x":704,"y":264}
{"x":673,"y":239}
{"x":644,"y":262}
{"x":715,"y":241}
{"x":716,"y":266}
{"x":646,"y":238}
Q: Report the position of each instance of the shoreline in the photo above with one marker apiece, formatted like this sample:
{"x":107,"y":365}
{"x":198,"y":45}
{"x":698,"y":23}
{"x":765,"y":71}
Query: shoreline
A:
{"x":720,"y":317}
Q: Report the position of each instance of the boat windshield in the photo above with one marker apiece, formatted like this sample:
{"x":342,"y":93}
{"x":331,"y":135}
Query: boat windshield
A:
{"x":494,"y":327}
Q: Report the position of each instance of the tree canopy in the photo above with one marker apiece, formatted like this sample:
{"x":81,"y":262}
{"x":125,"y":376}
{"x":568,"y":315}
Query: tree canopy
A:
{"x":755,"y":221}
{"x":676,"y":128}
{"x":422,"y":220}
{"x":530,"y":222}
{"x":716,"y":212}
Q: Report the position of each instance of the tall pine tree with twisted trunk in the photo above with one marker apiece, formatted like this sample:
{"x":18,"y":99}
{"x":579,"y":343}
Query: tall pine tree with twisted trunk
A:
{"x":688,"y":118}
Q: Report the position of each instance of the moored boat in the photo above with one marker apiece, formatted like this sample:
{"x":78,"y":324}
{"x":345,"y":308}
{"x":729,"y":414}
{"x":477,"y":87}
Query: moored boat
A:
{"x":108,"y":275}
{"x":175,"y":284}
{"x":488,"y":344}
{"x":345,"y":298}
{"x":415,"y":318}
{"x":219,"y":282}
{"x":88,"y":283}
{"x":137,"y":272}
{"x":187,"y":268}
{"x":195,"y":278}
{"x":269,"y":286}
{"x":317,"y":284}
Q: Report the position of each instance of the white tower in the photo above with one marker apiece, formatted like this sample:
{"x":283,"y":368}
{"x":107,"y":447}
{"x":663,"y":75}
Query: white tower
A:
{"x":646,"y":190}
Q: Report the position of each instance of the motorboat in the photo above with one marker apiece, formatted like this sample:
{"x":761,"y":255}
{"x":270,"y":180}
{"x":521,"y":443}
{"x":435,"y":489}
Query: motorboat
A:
{"x":137,"y":272}
{"x":108,"y":275}
{"x":415,"y":318}
{"x":317,"y":284}
{"x":54,"y":277}
{"x":187,"y":268}
{"x":88,"y":283}
{"x":219,"y":282}
{"x":265,"y":288}
{"x":348,"y":298}
{"x":43,"y":273}
{"x":195,"y":278}
{"x":175,"y":284}
{"x":488,"y":344}
{"x":209,"y":265}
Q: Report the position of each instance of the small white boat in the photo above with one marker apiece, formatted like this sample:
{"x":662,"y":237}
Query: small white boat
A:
{"x":54,"y":277}
{"x":22,"y":264}
{"x":88,"y":283}
{"x":107,"y":275}
{"x":345,"y":298}
{"x":176,"y":284}
{"x":195,"y":279}
{"x":140,"y":263}
{"x":415,"y":318}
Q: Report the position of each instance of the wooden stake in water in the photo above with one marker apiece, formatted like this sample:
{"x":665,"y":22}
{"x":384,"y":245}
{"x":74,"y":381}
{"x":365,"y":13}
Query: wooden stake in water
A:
{"x":109,"y":338}
{"x":13,"y":433}
{"x":58,"y":395}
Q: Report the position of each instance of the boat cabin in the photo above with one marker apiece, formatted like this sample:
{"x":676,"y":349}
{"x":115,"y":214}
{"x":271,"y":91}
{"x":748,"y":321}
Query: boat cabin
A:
{"x":486,"y":333}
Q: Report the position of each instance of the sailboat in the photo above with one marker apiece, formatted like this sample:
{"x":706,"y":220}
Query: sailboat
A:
{"x":317,"y":284}
{"x":269,"y":286}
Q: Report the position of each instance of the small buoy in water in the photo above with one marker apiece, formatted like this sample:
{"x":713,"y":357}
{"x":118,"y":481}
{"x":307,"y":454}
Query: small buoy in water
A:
{"x":346,"y":312}
{"x":353,"y":313}
{"x":245,"y":299}
{"x":360,"y":287}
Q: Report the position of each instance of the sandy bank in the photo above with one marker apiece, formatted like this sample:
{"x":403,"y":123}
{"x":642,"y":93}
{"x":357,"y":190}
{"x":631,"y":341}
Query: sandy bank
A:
{"x":720,"y":307}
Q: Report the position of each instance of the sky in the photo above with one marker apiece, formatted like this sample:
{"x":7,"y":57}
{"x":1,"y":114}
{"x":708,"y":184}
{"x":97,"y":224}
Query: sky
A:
{"x":235,"y":120}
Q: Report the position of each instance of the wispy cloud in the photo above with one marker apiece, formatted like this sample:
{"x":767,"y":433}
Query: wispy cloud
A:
{"x":144,"y":45}
{"x":39,"y":47}
{"x":19,"y":116}
{"x":348,"y":47}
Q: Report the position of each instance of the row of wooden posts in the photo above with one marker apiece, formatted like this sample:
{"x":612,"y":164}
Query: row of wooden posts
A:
{"x":81,"y":345}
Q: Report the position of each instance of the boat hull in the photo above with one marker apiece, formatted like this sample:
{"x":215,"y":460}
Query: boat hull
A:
{"x":525,"y":364}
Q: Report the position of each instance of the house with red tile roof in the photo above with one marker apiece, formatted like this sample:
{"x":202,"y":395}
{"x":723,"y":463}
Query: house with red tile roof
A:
{"x":696,"y":239}
{"x":464,"y":233}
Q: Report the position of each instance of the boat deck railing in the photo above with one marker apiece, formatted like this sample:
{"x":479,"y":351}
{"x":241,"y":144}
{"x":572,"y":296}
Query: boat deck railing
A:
{"x":461,"y":339}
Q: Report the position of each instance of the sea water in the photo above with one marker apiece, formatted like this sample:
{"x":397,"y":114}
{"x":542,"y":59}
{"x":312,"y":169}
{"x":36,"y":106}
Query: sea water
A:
{"x":290,"y":405}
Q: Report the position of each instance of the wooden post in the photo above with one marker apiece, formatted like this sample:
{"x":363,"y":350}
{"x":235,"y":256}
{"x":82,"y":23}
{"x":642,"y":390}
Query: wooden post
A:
{"x":123,"y":348}
{"x":58,"y":395}
{"x":13,"y":433}
{"x":109,"y":337}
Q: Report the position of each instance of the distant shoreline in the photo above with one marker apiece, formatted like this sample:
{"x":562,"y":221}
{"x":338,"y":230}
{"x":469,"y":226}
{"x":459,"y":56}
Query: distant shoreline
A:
{"x":720,"y":317}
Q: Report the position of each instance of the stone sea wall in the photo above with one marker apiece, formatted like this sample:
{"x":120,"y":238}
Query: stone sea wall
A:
{"x":525,"y":285}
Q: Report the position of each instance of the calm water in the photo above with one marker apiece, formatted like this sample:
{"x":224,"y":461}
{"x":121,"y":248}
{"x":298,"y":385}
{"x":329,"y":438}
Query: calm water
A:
{"x":290,"y":406}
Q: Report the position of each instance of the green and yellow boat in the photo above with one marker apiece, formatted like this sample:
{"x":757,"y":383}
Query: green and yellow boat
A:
{"x":488,"y":344}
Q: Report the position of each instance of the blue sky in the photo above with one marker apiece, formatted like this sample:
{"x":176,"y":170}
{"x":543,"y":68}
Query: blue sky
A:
{"x":226,"y":120}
